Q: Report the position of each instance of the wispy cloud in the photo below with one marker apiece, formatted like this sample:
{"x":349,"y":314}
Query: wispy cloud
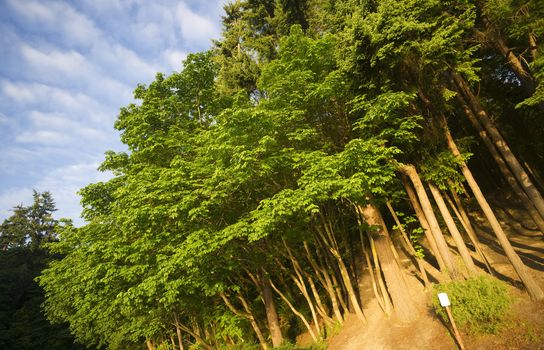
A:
{"x":67,"y":68}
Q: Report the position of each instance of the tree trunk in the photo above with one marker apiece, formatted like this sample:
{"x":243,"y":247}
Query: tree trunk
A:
{"x":411,"y":248}
{"x":396,"y":285}
{"x":325,"y":281}
{"x":295,"y":311}
{"x":523,"y":74}
{"x":271,"y":313}
{"x":411,"y":172}
{"x":450,"y":223}
{"x":462,"y":215}
{"x":501,"y":145}
{"x":533,"y":46}
{"x":248,"y":315}
{"x":301,"y":284}
{"x":508,"y":175}
{"x":180,"y":338}
{"x":344,"y":273}
{"x":424,"y":224}
{"x":377,"y":294}
{"x":530,"y":284}
{"x":381,"y":283}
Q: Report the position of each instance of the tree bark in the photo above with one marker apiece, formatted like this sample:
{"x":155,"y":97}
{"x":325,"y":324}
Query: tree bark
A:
{"x":450,"y":223}
{"x":396,"y":285}
{"x":532,"y":287}
{"x":388,"y":304}
{"x":344,"y":273}
{"x":299,"y":281}
{"x":462,"y":215}
{"x":411,"y":248}
{"x":441,"y":244}
{"x":180,"y":338}
{"x":325,"y":281}
{"x":502,"y":146}
{"x":377,"y":294}
{"x":467,"y":226}
{"x":533,"y":46}
{"x":424,"y":224}
{"x":248,"y":315}
{"x":271,"y":313}
{"x":508,"y":175}
{"x":295,"y":311}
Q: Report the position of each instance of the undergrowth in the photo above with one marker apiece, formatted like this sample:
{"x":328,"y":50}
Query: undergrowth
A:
{"x":479,"y":304}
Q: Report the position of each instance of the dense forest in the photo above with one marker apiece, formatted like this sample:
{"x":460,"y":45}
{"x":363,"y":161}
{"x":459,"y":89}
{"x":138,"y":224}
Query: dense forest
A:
{"x":315,"y":139}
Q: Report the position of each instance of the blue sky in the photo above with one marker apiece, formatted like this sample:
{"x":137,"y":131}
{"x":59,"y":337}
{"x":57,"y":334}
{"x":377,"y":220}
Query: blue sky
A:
{"x":66,"y":69}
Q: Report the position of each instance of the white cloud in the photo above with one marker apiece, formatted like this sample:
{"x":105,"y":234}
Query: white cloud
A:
{"x":68,"y":63}
{"x":194,"y":27}
{"x":53,"y":98}
{"x":65,"y":182}
{"x":13,"y":197}
{"x":57,"y":17}
{"x":44,"y":137}
{"x":173,"y":59}
{"x":122,"y":63}
{"x":19,"y":95}
{"x":68,"y":67}
{"x":58,"y":129}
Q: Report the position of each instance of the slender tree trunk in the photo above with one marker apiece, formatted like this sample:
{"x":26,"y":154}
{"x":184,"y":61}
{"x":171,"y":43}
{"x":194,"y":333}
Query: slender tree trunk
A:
{"x":535,"y":175}
{"x":295,"y":311}
{"x":396,"y":285}
{"x":424,"y":224}
{"x":344,"y":273}
{"x":299,"y":281}
{"x":411,"y":172}
{"x":523,"y":74}
{"x":248,"y":315}
{"x":325,"y":281}
{"x":322,"y":310}
{"x":271,"y":313}
{"x":388,"y":304}
{"x":378,"y":295}
{"x":508,"y":175}
{"x":326,"y":261}
{"x":150,"y":345}
{"x":462,"y":215}
{"x":517,"y":66}
{"x":450,"y":223}
{"x":533,"y":46}
{"x":411,"y":248}
{"x":195,"y":333}
{"x":172,"y":341}
{"x":532,"y":287}
{"x":501,"y":145}
{"x":180,"y":338}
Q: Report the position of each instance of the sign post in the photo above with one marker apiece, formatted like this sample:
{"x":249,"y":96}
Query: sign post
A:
{"x":445,"y":302}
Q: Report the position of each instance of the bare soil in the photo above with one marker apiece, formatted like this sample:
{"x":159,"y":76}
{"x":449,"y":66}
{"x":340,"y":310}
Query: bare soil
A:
{"x":523,"y":330}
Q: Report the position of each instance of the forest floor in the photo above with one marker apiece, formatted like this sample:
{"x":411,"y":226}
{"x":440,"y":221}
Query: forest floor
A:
{"x":524,"y":328}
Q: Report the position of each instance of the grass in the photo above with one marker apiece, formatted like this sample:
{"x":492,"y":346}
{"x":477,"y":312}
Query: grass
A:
{"x":479,"y":305}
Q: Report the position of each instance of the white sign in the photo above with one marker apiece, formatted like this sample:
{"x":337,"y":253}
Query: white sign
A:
{"x":444,"y":300}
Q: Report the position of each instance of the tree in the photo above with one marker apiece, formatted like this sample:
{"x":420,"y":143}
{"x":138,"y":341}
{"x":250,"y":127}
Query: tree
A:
{"x":22,"y":322}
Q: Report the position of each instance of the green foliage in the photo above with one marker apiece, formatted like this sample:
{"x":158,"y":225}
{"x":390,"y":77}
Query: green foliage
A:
{"x":479,"y":304}
{"x":443,"y":170}
{"x":23,"y":324}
